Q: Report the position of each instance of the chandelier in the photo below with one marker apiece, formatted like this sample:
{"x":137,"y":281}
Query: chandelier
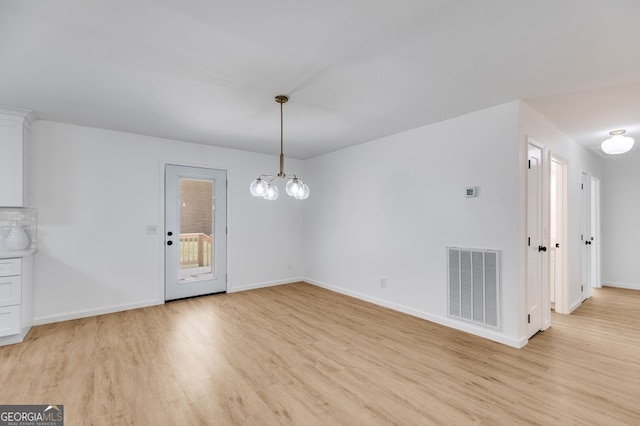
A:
{"x":264,"y":186}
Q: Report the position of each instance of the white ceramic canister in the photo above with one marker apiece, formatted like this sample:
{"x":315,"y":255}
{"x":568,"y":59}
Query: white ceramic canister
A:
{"x":17,"y":239}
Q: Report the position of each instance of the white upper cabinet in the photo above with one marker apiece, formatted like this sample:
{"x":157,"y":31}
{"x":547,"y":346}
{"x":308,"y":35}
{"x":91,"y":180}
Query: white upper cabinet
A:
{"x":15,"y":125}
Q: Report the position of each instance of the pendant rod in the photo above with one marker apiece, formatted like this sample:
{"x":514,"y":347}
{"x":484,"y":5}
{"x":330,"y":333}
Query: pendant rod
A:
{"x":281,"y":99}
{"x":281,"y":174}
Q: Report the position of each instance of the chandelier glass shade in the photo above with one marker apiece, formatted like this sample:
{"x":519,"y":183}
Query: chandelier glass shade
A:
{"x":617,"y":143}
{"x":265,"y":185}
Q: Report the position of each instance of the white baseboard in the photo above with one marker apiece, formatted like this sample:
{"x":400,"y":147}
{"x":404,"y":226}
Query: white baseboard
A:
{"x":622,"y":285}
{"x":575,"y":306}
{"x":15,"y":338}
{"x":447,"y":322}
{"x":93,"y":312}
{"x":264,"y":284}
{"x":125,"y":307}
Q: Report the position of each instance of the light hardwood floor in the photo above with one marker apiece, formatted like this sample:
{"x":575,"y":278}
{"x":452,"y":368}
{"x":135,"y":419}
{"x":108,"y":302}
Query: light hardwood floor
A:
{"x":298,"y":354}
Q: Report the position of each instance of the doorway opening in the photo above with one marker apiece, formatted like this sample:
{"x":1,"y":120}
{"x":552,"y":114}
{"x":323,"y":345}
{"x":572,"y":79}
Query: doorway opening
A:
{"x":558,"y":291}
{"x":590,"y":235}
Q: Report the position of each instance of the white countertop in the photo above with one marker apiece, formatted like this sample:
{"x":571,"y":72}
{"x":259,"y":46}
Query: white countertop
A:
{"x":10,"y":254}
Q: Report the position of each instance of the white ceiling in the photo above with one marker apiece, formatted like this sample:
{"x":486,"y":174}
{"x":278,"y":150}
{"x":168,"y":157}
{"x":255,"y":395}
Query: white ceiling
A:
{"x":207,"y":71}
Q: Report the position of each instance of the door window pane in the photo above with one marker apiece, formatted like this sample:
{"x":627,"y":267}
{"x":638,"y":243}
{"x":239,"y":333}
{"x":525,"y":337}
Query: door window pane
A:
{"x":196,"y":229}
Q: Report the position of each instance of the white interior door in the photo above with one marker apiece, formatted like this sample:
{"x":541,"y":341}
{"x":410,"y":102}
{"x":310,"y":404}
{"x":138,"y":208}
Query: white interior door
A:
{"x":195,"y":231}
{"x":535,"y":247}
{"x":585,"y":237}
{"x":594,"y":234}
{"x":557,"y":237}
{"x":553,"y":230}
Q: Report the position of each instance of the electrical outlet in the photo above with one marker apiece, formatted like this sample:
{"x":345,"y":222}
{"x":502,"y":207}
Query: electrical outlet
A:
{"x":383,"y":283}
{"x":152,"y":229}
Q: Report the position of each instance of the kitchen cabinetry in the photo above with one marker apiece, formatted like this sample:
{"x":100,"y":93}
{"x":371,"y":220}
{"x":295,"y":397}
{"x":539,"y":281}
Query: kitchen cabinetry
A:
{"x":15,"y":125}
{"x":16,"y":299}
{"x":16,"y":273}
{"x":16,"y":258}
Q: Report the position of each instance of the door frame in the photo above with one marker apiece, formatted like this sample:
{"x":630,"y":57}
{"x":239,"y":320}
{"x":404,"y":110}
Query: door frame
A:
{"x":161,"y":228}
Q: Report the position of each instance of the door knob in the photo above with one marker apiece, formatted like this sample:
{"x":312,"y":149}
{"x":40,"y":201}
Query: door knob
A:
{"x":588,"y":243}
{"x":542,"y":248}
{"x":169,"y":242}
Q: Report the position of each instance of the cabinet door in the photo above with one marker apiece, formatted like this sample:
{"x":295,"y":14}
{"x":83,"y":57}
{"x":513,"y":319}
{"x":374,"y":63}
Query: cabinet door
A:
{"x":10,"y":291}
{"x":9,"y":267}
{"x":11,"y":162}
{"x":9,"y":320}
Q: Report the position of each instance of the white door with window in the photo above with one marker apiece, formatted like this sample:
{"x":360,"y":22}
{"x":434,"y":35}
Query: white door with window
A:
{"x":195,"y":231}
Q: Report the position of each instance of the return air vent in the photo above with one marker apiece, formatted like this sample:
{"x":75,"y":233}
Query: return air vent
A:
{"x":474,"y":285}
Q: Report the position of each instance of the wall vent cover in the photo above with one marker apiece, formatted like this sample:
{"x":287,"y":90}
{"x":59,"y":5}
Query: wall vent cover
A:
{"x":474,"y":285}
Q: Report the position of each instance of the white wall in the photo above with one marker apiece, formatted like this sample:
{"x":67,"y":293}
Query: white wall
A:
{"x":389,"y":208}
{"x":96,"y":190}
{"x":384,"y":209}
{"x":578,"y":160}
{"x":620,"y":221}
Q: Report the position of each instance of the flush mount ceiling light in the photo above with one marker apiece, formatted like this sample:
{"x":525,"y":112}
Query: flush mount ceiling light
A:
{"x":617,"y":144}
{"x":265,"y":186}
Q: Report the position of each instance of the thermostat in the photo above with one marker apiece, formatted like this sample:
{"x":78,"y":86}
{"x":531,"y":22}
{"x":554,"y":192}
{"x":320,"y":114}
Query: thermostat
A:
{"x":471,"y":191}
